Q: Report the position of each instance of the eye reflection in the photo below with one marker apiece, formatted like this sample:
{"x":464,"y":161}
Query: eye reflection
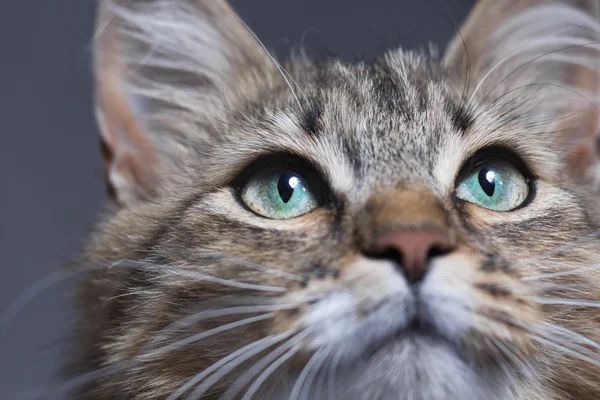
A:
{"x":286,"y":185}
{"x":487,"y":180}
{"x":293,"y":182}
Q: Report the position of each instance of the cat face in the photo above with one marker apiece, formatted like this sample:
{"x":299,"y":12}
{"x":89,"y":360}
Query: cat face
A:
{"x":400,"y":229}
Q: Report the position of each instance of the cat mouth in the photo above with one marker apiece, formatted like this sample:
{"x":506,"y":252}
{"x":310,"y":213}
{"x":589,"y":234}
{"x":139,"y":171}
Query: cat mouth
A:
{"x":417,"y":332}
{"x":395,"y":322}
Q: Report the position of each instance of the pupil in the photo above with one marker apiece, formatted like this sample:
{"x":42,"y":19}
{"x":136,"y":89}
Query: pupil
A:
{"x":487,"y":181}
{"x":286,"y":185}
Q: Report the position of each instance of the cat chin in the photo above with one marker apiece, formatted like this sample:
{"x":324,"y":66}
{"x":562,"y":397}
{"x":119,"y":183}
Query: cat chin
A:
{"x":420,"y":367}
{"x":412,"y":367}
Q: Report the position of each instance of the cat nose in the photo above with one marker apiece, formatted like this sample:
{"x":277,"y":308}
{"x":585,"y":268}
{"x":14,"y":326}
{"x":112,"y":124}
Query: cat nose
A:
{"x":412,"y":249}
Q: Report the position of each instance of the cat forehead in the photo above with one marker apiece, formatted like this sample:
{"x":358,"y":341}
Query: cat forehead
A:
{"x":397,"y":120}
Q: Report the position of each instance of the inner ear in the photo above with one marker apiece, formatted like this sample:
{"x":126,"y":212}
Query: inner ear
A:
{"x":163,"y":73}
{"x":512,"y":52}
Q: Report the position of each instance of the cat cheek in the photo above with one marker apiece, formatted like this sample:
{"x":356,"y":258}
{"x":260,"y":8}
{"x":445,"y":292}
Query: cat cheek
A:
{"x":342,"y":298}
{"x":448,"y":295}
{"x":466,"y":302}
{"x":503,"y":313}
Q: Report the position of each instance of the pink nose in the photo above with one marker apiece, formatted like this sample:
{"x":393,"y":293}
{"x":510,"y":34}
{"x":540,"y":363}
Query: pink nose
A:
{"x":414,"y":247}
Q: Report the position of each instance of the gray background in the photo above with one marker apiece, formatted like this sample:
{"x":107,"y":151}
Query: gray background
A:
{"x":51,"y":188}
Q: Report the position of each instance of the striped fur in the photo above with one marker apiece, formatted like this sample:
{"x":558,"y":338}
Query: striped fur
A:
{"x":188,"y":99}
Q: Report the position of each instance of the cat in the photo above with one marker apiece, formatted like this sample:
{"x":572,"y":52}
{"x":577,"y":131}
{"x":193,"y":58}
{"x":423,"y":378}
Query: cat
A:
{"x":407,"y":228}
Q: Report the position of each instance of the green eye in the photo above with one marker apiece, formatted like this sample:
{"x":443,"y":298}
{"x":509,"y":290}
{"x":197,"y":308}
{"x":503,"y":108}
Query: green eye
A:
{"x":496,"y":185}
{"x":278,"y":194}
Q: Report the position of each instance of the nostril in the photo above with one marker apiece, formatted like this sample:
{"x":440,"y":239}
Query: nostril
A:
{"x":412,"y":250}
{"x":404,"y":264}
{"x":438,"y":251}
{"x":387,"y":254}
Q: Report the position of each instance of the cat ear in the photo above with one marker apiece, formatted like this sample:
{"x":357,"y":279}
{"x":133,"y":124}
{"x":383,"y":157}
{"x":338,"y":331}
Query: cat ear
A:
{"x":515,"y":50}
{"x":163,"y":71}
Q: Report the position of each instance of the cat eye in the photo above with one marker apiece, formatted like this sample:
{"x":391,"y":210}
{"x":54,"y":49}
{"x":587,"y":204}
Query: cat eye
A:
{"x":278,"y":193}
{"x":494,"y":183}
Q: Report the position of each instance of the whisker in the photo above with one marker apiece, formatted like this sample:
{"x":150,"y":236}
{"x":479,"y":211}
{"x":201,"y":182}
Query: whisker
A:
{"x":136,"y":293}
{"x":267,"y":372}
{"x":252,"y":265}
{"x":543,"y":337}
{"x":319,"y":392}
{"x":515,"y":359}
{"x":459,"y":34}
{"x":331,"y":389}
{"x":500,"y":97}
{"x":65,"y":387}
{"x":103,"y":372}
{"x":529,"y":85}
{"x":563,"y":301}
{"x":15,"y":308}
{"x":304,"y":374}
{"x":566,"y":350}
{"x":275,"y":62}
{"x":203,"y":335}
{"x":532,"y":46}
{"x":311,"y":376}
{"x":225,"y":282}
{"x":536,"y":59}
{"x":221,"y":312}
{"x":500,"y":359}
{"x":108,"y":370}
{"x":551,"y":287}
{"x":568,"y":334}
{"x":561,"y":273}
{"x":223,"y":371}
{"x":236,"y":358}
{"x":552,"y":121}
{"x":247,"y":376}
